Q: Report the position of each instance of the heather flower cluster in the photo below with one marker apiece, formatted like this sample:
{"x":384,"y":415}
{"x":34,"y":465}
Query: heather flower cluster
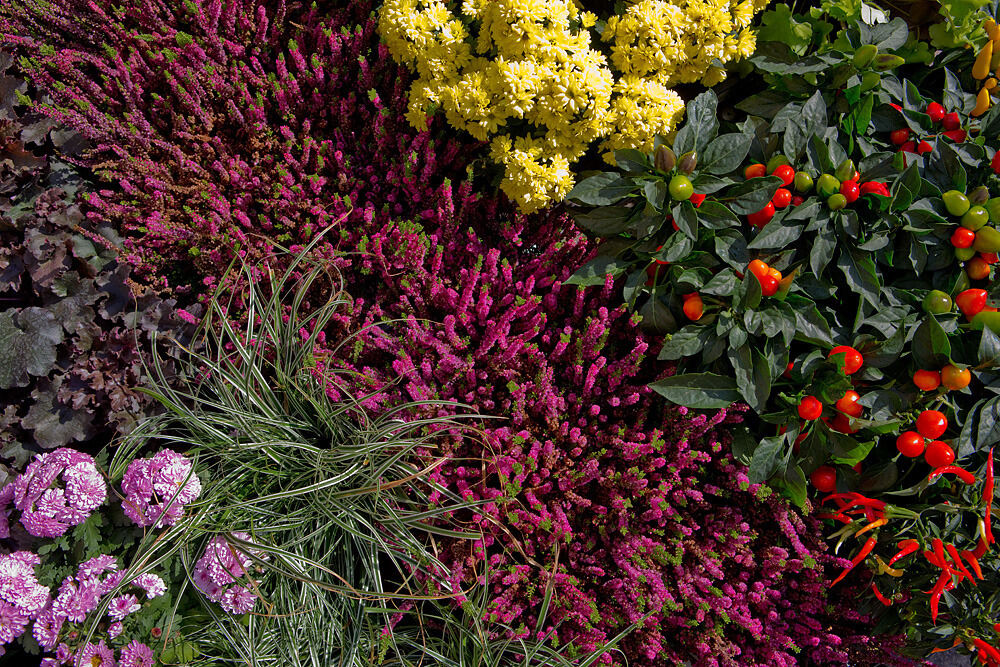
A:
{"x":461,"y":297}
{"x":157,"y":489}
{"x":219,"y":569}
{"x":57,"y":491}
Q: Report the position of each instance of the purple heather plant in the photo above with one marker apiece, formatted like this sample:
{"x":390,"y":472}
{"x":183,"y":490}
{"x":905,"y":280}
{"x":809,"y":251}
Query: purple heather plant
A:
{"x":238,"y":126}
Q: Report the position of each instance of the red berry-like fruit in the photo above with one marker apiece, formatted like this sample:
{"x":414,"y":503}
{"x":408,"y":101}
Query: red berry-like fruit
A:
{"x":910,"y":443}
{"x":935,"y":111}
{"x":850,"y":190}
{"x":932,"y":424}
{"x":963,"y":238}
{"x":939,"y":454}
{"x":924,"y":147}
{"x":927,"y":380}
{"x":786,"y":173}
{"x":769,"y":285}
{"x":755,"y":171}
{"x":848,"y":404}
{"x":810,"y":408}
{"x":697,"y":199}
{"x":781,"y":198}
{"x":762,"y":217}
{"x":951,"y":121}
{"x":909,"y":147}
{"x":852,"y":358}
{"x":824,"y":478}
{"x":900,"y":136}
{"x":796,"y":200}
{"x":842,"y":424}
{"x":995,"y":163}
{"x":971,"y":301}
{"x":958,"y":136}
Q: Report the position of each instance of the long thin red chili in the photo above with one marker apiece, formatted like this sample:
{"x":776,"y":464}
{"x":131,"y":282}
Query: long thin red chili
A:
{"x":953,"y":552}
{"x":961,"y":473}
{"x":973,"y":563}
{"x":865,"y":550}
{"x":939,"y":552}
{"x":906,"y":547}
{"x":984,"y":646}
{"x":881,"y":598}
{"x":988,"y":497}
{"x":982,"y":547}
{"x":936,"y":594}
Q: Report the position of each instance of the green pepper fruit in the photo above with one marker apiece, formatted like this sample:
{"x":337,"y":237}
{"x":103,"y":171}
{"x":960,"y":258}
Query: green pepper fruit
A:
{"x":956,"y":202}
{"x":937,"y":302}
{"x":836,"y":202}
{"x":986,"y":318}
{"x":979,"y":196}
{"x":680,"y":188}
{"x":688,"y":162}
{"x":887,"y":61}
{"x":864,"y":55}
{"x":828,"y":185}
{"x":803,"y":182}
{"x":845,"y":170}
{"x":987,"y":240}
{"x":964,"y":254}
{"x":993,"y":206}
{"x":870,"y":80}
{"x":665,"y":159}
{"x":975,"y":218}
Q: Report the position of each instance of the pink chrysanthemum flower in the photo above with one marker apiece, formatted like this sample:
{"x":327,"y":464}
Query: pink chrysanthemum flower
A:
{"x":157,"y":489}
{"x":56,"y":491}
{"x":136,"y":654}
{"x":151,"y":584}
{"x":122,"y":606}
{"x":21,"y":596}
{"x":220,"y":566}
{"x":95,"y":655}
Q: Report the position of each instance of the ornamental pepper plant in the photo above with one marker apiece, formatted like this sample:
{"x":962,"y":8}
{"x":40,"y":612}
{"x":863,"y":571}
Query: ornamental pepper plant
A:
{"x":839,"y":234}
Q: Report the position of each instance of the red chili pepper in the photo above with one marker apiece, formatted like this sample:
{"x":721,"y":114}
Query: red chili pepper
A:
{"x":982,"y":645}
{"x":961,"y":473}
{"x":988,"y":497}
{"x":973,"y":563}
{"x":906,"y":547}
{"x":953,"y":552}
{"x":939,"y":552}
{"x":981,"y":548}
{"x":839,"y":516}
{"x":936,"y":594}
{"x":865,"y":550}
{"x":881,"y":598}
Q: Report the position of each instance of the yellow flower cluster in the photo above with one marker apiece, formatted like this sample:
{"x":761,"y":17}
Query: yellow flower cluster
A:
{"x":530,"y":77}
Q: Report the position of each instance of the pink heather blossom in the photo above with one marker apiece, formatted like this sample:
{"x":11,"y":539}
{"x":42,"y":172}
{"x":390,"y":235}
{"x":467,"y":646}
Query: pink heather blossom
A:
{"x":157,"y":489}
{"x":136,"y":654}
{"x":122,"y":606}
{"x":219,"y":567}
{"x":95,"y":655}
{"x":152,"y":584}
{"x":58,"y":490}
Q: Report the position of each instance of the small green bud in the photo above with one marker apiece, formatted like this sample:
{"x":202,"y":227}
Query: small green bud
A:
{"x":864,"y":55}
{"x":688,"y":162}
{"x":664,"y":159}
{"x":887,"y":61}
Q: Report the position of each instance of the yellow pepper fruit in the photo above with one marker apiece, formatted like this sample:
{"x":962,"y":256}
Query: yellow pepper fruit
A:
{"x":992,"y":29}
{"x":982,"y":102}
{"x":990,"y":83}
{"x":981,"y":68}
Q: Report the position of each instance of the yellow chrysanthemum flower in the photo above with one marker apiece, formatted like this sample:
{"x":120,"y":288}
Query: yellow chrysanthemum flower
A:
{"x":523,"y":75}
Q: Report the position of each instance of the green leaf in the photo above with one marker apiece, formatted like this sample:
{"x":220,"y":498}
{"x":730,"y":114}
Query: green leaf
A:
{"x":822,"y":249}
{"x":722,"y":284}
{"x":594,"y":271}
{"x":698,"y":390}
{"x":731,"y":247}
{"x":776,"y":234}
{"x":602,"y":189}
{"x":655,"y":192}
{"x":713,"y":215}
{"x":793,"y":483}
{"x":859,"y":269}
{"x":989,"y":348}
{"x":765,"y":459}
{"x":725,"y":153}
{"x":631,"y":160}
{"x":701,"y":126}
{"x":981,"y":429}
{"x":812,"y":327}
{"x":685,"y":343}
{"x":686,"y":220}
{"x":605,"y":221}
{"x":752,"y":195}
{"x":779,"y":25}
{"x":930,"y":346}
{"x":753,"y":375}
